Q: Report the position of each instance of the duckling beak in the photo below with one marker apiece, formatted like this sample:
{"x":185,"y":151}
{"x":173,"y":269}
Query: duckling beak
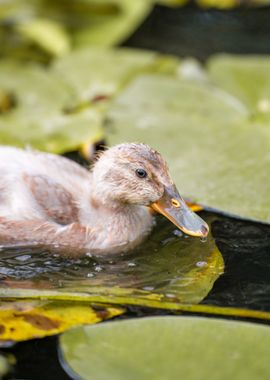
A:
{"x":174,"y":208}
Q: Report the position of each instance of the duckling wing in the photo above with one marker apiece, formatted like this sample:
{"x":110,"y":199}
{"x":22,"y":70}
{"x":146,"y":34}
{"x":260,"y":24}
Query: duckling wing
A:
{"x":55,"y":201}
{"x":36,"y":185}
{"x":67,"y":240}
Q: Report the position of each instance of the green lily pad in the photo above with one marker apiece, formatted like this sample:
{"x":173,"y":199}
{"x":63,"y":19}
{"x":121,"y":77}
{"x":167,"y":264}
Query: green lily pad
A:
{"x":218,"y":155}
{"x":48,"y":34}
{"x":168,"y":348}
{"x":38,"y":117}
{"x":111,"y":28}
{"x":99,"y":72}
{"x":58,"y":109}
{"x":247,"y":78}
{"x":228,"y":4}
{"x":38,"y":30}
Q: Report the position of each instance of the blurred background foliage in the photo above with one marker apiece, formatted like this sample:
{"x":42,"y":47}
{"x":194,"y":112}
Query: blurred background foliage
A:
{"x":67,"y":83}
{"x":42,"y":29}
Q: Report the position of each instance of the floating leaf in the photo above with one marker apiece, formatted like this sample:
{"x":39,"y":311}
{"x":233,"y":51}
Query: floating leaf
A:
{"x":102,"y":296}
{"x":217,"y":154}
{"x":228,"y":4}
{"x":48,"y":34}
{"x":24,"y":320}
{"x":220,"y":4}
{"x":98,"y":72}
{"x":38,"y":118}
{"x":168,"y":348}
{"x":248,"y":78}
{"x":173,"y":3}
{"x":109,"y":29}
{"x":52,"y":25}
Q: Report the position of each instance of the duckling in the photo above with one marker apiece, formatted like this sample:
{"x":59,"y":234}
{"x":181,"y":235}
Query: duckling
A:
{"x":50,"y":201}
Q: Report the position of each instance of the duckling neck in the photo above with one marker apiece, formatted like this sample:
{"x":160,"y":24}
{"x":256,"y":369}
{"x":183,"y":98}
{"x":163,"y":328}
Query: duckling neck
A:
{"x":122,"y":226}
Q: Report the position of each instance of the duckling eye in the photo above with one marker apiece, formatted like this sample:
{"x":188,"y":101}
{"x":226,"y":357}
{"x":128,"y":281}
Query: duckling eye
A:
{"x":141,"y":173}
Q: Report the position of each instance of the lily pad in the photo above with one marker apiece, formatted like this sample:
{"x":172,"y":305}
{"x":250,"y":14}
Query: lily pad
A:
{"x":199,"y":348}
{"x":228,"y":4}
{"x":97,"y":72}
{"x":48,"y":34}
{"x":38,"y":118}
{"x":248,"y":78}
{"x":111,"y":28}
{"x":218,"y":155}
{"x":38,"y":29}
{"x":24,"y":320}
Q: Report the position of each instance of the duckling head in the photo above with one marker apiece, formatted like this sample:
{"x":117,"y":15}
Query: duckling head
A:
{"x":135,"y":174}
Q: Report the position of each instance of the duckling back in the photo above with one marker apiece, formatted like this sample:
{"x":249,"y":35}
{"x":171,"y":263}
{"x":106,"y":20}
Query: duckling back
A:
{"x":36,"y":185}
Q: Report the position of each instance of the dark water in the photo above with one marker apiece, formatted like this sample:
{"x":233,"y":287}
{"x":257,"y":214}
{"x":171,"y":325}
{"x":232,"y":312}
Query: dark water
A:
{"x":245,"y":247}
{"x":195,"y":32}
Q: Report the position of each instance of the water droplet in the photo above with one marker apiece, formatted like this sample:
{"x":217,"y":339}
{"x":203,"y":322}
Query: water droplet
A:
{"x":149,"y":288}
{"x":23,"y":258}
{"x":201,"y":264}
{"x":166,"y":241}
{"x":178,"y":233}
{"x":169,"y":295}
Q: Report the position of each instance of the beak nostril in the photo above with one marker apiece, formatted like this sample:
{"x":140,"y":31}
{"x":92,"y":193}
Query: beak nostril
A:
{"x":175,"y":203}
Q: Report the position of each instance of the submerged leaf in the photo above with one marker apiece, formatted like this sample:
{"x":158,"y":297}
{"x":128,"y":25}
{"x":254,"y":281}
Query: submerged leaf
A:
{"x":217,"y":154}
{"x":165,"y":268}
{"x":24,"y":320}
{"x":199,"y":348}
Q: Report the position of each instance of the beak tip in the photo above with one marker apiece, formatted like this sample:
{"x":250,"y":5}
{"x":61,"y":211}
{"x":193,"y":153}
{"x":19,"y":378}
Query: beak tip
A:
{"x":204,"y":230}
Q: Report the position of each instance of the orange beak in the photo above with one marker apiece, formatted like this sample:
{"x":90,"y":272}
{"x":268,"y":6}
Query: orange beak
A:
{"x":174,"y":208}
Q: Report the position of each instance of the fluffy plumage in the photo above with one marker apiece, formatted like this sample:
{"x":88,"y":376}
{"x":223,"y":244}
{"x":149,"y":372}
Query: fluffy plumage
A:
{"x":50,"y":201}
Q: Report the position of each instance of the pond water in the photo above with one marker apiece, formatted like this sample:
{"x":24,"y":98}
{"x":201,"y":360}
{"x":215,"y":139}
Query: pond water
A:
{"x":165,"y":264}
{"x":244,"y":246}
{"x":168,"y":263}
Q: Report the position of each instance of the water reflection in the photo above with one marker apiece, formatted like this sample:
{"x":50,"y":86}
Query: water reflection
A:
{"x":168,"y":263}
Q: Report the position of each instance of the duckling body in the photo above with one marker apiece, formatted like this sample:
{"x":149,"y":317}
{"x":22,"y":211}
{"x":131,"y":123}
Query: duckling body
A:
{"x":50,"y":201}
